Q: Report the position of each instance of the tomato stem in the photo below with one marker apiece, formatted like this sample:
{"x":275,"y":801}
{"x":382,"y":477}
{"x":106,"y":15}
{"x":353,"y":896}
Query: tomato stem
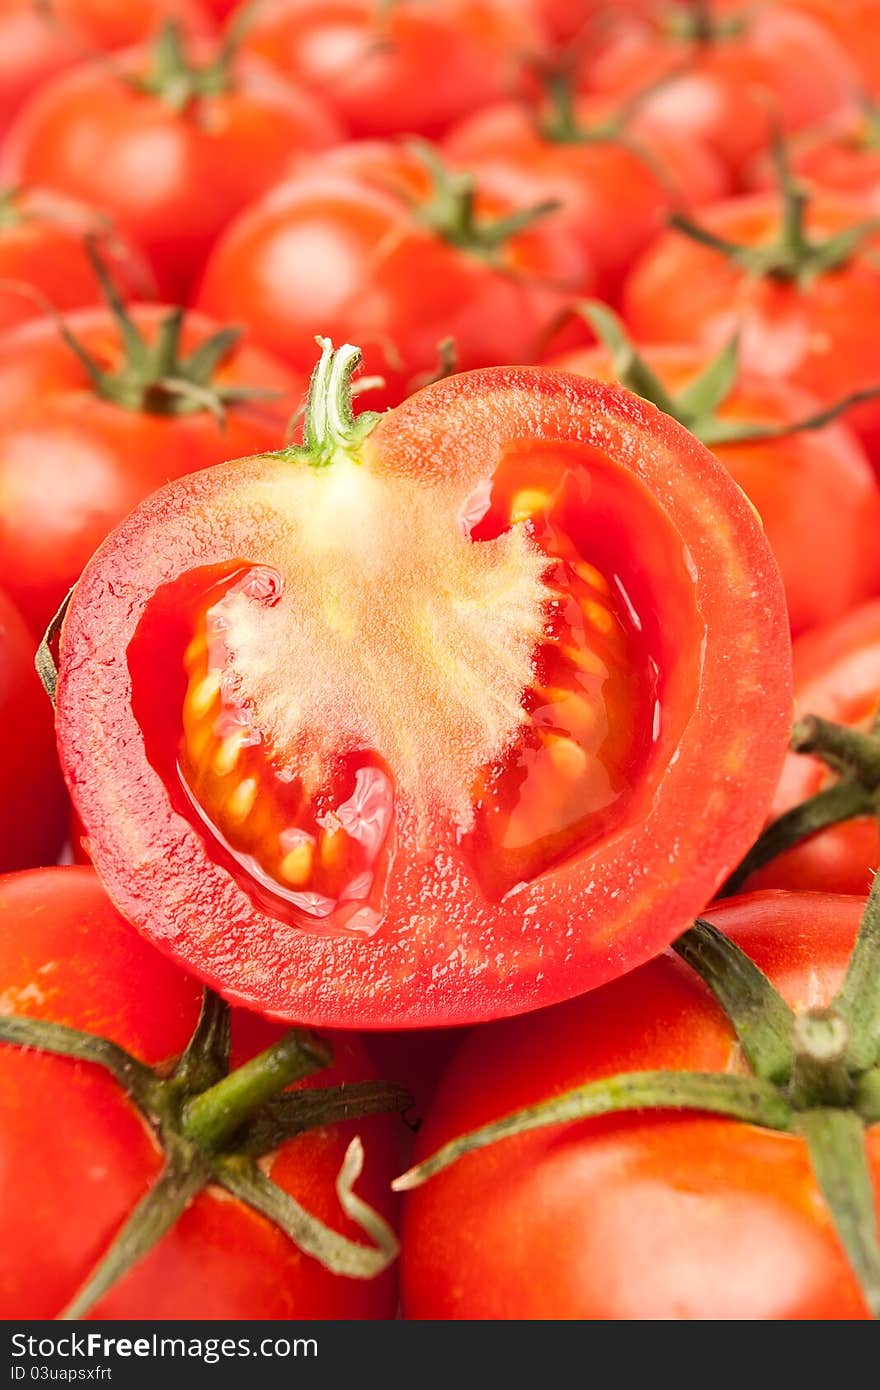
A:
{"x":331,"y":429}
{"x":451,"y":212}
{"x":762,"y":1020}
{"x":213,"y":1117}
{"x":836,"y":1143}
{"x":850,"y":752}
{"x":335,"y":1252}
{"x":738,"y":1097}
{"x":792,"y":255}
{"x":819,"y":1075}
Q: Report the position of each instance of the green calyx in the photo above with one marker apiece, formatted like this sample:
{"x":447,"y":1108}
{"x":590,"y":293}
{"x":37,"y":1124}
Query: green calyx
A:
{"x":215,"y":1124}
{"x":697,"y":405}
{"x":156,"y":378}
{"x":695,"y":23}
{"x":175,"y":80}
{"x":331,"y":430}
{"x":451,"y":213}
{"x":11,"y":214}
{"x":815,"y":1074}
{"x":853,"y":755}
{"x":793,"y":255}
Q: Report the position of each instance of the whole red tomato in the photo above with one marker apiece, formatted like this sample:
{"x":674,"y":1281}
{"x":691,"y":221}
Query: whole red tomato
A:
{"x":79,"y":447}
{"x":841,"y":156}
{"x":800,"y":286}
{"x":855,"y":25}
{"x":410,"y":67}
{"x":44,"y":256}
{"x":38,"y":40}
{"x":609,"y":170}
{"x":33,"y":807}
{"x":415,"y":719}
{"x":68,"y":958}
{"x":635,"y":1215}
{"x":837,"y":676}
{"x":377,"y":243}
{"x":172,"y":141}
{"x":727,"y":74}
{"x":815,"y":482}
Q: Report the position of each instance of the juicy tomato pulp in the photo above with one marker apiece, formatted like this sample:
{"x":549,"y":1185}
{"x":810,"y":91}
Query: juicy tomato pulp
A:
{"x":314,"y":839}
{"x":471,"y":716}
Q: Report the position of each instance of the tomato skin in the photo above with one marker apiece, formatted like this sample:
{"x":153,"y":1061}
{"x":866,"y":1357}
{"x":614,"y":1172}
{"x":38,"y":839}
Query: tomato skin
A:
{"x":72,"y":464}
{"x":204,"y":163}
{"x":634,"y":1216}
{"x":731,"y":93}
{"x":381,"y":278}
{"x":855,"y":25}
{"x":632,"y":183}
{"x":409,"y":68}
{"x":819,"y":337}
{"x":43,"y":246}
{"x":435,"y":913}
{"x":840,"y":158}
{"x":817,"y":483}
{"x":66,"y":955}
{"x":36,"y":44}
{"x":33,"y":806}
{"x":837,"y":676}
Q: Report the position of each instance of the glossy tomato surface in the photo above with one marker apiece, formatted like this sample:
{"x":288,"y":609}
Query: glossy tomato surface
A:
{"x":33,"y":806}
{"x":73,"y":464}
{"x":78,"y":1155}
{"x":837,"y":676}
{"x":816,"y":483}
{"x":628,"y":179}
{"x":349,"y":248}
{"x":410,"y":67}
{"x":635,"y":1216}
{"x":733,"y":90}
{"x":44,"y":260}
{"x":170,"y":175}
{"x":817,"y":333}
{"x":39,"y":40}
{"x":435,"y":722}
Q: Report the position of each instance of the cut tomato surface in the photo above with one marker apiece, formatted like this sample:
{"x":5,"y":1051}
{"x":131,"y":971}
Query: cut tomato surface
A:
{"x":443,"y":716}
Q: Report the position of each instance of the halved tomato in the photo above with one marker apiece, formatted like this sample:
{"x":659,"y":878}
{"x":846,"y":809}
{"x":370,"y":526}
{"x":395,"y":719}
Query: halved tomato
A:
{"x":445,"y":715}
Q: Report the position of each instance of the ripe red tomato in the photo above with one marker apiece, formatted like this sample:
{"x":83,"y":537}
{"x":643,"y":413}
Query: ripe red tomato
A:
{"x":635,"y":1215}
{"x":842,"y":156}
{"x":734,"y":87}
{"x":855,"y":25}
{"x":39,"y":40}
{"x":816,"y":483}
{"x":629,"y":179}
{"x":812,"y":328}
{"x":67,"y":957}
{"x":370,"y":245}
{"x":73,"y":462}
{"x":409,"y":67}
{"x":33,"y":807}
{"x":43,"y":248}
{"x":837,"y":676}
{"x":172,"y":170}
{"x":417,"y":737}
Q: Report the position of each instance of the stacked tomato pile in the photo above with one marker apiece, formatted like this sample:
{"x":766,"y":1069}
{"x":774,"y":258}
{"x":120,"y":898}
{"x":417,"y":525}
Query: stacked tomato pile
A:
{"x":439,"y":459}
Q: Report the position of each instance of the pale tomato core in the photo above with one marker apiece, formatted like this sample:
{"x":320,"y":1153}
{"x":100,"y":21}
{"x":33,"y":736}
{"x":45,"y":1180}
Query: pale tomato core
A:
{"x":310,"y":831}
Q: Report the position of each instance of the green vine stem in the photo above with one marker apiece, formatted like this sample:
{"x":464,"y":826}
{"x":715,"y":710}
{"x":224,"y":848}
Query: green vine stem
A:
{"x":816,"y":1074}
{"x":793,"y":255}
{"x":854,"y":756}
{"x":696,"y":406}
{"x":214,"y":1124}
